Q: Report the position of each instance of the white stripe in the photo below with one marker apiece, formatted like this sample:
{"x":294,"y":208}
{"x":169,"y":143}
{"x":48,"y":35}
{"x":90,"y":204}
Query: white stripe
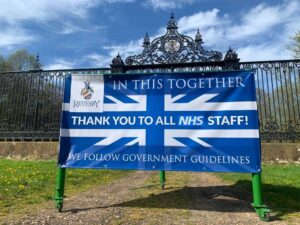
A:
{"x":111,"y":135}
{"x":170,"y":135}
{"x":203,"y":143}
{"x":201,"y":104}
{"x":119,"y":106}
{"x":215,"y":133}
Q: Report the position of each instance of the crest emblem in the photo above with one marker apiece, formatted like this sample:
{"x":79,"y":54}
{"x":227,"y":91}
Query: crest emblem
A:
{"x":87,"y":91}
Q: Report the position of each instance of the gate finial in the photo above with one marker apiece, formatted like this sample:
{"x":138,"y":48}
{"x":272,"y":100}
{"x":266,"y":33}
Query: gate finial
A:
{"x":198,"y":38}
{"x":172,"y":24}
{"x":146,"y":42}
{"x":37,"y":65}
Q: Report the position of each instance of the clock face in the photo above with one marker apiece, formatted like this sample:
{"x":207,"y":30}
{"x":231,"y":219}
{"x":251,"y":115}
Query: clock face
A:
{"x":172,"y":46}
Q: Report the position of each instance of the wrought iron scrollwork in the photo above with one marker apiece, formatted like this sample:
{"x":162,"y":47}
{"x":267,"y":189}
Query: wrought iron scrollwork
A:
{"x":292,"y":131}
{"x":271,"y":125}
{"x":173,"y":47}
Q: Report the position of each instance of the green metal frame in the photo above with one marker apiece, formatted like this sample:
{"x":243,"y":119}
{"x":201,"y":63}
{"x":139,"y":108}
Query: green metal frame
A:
{"x":162,"y":178}
{"x":261,"y":209}
{"x":60,"y":188}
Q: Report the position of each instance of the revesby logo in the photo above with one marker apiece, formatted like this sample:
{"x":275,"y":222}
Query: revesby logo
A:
{"x":77,"y":104}
{"x":87,"y":93}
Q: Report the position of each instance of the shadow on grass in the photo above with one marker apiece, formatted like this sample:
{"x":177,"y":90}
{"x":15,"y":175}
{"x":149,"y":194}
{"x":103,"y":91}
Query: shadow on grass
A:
{"x":228,"y":198}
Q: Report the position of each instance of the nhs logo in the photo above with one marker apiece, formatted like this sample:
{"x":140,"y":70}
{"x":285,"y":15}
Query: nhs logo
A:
{"x":188,"y":121}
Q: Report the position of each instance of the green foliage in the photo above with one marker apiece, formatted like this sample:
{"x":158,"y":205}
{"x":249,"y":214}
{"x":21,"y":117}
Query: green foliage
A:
{"x":2,"y":63}
{"x":295,"y":45}
{"x":20,"y":60}
{"x":24,"y":183}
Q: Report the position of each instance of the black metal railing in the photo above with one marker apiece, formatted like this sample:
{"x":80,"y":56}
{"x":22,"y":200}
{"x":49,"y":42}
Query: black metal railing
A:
{"x":30,"y":102}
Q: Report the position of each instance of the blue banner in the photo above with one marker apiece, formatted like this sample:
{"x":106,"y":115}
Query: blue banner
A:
{"x":173,"y":121}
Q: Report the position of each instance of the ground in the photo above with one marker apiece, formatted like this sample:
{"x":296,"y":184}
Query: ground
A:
{"x":189,"y":198}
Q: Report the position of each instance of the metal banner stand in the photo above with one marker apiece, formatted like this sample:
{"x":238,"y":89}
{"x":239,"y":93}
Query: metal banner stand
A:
{"x":60,"y":188}
{"x":162,"y":179}
{"x":261,"y":209}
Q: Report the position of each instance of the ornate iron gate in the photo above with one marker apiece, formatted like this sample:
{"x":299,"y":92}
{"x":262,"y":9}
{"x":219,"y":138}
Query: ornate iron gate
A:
{"x":30,"y":102}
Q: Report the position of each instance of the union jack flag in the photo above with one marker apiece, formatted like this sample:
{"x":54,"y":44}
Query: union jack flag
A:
{"x":141,"y":138}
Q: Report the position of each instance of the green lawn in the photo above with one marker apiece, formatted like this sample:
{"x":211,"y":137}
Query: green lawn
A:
{"x":281,"y":187}
{"x":24,"y":183}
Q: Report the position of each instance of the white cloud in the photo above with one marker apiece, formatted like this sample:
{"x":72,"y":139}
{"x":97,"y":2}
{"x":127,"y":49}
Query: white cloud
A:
{"x":267,"y":51}
{"x":60,"y":63}
{"x":167,"y":4}
{"x":14,"y":36}
{"x":125,"y":50}
{"x":69,"y":28}
{"x":39,"y":10}
{"x":202,"y":20}
{"x":59,"y":17}
{"x":262,"y":33}
{"x":263,"y":18}
{"x":97,"y":60}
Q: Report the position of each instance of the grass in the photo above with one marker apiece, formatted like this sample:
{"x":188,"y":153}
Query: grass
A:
{"x":281,"y":187}
{"x":28,"y":183}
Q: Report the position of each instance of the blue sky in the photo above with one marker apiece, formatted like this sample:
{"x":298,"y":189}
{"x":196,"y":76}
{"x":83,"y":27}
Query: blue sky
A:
{"x":89,"y":33}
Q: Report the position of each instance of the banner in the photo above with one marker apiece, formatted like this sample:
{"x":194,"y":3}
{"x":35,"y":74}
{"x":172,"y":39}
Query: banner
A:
{"x":173,"y":121}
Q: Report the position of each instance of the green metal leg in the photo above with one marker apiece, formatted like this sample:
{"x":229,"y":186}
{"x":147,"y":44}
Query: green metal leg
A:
{"x":60,"y":188}
{"x":262,"y":210}
{"x":162,"y":178}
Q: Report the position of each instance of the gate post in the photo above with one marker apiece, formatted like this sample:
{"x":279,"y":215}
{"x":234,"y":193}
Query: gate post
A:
{"x":231,"y":60}
{"x":117,"y":65}
{"x":262,"y":210}
{"x":60,"y":188}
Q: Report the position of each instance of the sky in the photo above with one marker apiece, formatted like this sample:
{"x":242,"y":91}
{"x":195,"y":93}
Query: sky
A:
{"x":89,"y":33}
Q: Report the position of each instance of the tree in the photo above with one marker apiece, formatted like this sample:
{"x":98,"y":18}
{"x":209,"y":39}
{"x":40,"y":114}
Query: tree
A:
{"x":2,"y":64}
{"x":295,"y":45}
{"x":21,"y":60}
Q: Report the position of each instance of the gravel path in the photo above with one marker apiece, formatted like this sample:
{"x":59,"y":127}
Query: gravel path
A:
{"x":190,"y":198}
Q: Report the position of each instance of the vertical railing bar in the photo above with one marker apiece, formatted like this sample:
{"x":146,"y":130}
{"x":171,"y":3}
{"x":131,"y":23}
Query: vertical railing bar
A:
{"x":287,"y":97}
{"x":52,"y":100}
{"x":278,"y":96}
{"x":56,"y":118}
{"x":12,"y":115}
{"x":292,"y":97}
{"x":273,"y":94}
{"x":5,"y":93}
{"x":36,"y":90}
{"x":49,"y":102}
{"x":264,"y":97}
{"x":297,"y":91}
{"x":269,"y":96}
{"x":259,"y":97}
{"x":43,"y":103}
{"x":22,"y":97}
{"x":283,"y":100}
{"x":60,"y":93}
{"x":20,"y":102}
